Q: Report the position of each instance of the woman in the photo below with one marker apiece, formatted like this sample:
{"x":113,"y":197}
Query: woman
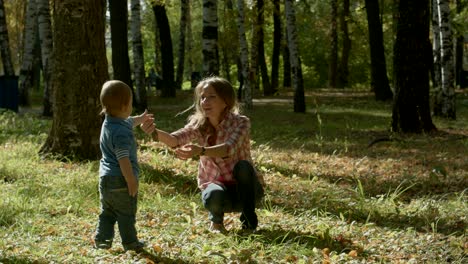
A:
{"x":221,"y":138}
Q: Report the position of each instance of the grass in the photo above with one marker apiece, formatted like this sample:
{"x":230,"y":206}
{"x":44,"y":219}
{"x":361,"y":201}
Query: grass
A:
{"x":330,"y":198}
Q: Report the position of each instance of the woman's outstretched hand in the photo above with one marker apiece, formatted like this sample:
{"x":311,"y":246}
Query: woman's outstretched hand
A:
{"x":188,"y":151}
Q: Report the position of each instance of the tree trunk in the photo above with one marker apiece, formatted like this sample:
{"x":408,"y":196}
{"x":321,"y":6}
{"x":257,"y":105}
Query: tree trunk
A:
{"x":210,"y":38}
{"x":184,"y":5}
{"x":80,"y":69}
{"x":261,"y":50}
{"x":167,"y":56}
{"x":138,"y":57}
{"x":444,"y":104}
{"x":379,"y":79}
{"x":246,"y":88}
{"x":7,"y":63}
{"x":435,"y":69}
{"x":459,"y":52}
{"x":46,"y":40}
{"x":253,"y":71}
{"x":343,"y":71}
{"x":276,"y":46}
{"x":26,"y":71}
{"x":296,"y":68}
{"x":119,"y":42}
{"x":333,"y":60}
{"x":286,"y":61}
{"x":189,"y":41}
{"x":411,"y":111}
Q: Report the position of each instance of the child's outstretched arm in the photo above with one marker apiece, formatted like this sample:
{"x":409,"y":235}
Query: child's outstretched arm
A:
{"x":140,"y":119}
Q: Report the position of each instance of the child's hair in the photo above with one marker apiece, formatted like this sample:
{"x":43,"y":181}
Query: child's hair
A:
{"x":114,"y":95}
{"x":223,"y":89}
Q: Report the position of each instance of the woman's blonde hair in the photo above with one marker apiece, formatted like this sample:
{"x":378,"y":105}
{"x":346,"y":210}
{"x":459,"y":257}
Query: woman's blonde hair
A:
{"x":223,"y":89}
{"x":114,"y":95}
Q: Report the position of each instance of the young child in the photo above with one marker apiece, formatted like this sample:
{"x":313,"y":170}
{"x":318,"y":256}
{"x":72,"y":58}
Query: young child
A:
{"x":118,"y":170}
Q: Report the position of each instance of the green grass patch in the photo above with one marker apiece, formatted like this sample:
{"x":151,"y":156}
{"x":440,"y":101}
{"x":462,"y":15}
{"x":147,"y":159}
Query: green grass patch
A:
{"x":332,"y":197}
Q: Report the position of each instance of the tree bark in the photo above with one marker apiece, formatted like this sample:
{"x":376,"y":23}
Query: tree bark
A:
{"x":138,"y":57}
{"x":286,"y":61}
{"x":296,"y":68}
{"x":276,"y":45}
{"x":411,"y":111}
{"x":246,"y":88}
{"x":184,"y":8}
{"x":343,"y":70}
{"x":119,"y":42}
{"x":80,"y":69}
{"x":210,"y":38}
{"x":459,"y":51}
{"x":261,"y":49}
{"x":26,"y":71}
{"x":379,"y":79}
{"x":46,"y":40}
{"x":444,"y":103}
{"x":7,"y":63}
{"x":333,"y":60}
{"x":167,"y":56}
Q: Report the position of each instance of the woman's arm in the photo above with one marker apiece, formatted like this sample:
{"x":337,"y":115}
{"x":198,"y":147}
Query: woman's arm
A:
{"x":157,"y":134}
{"x":192,"y":150}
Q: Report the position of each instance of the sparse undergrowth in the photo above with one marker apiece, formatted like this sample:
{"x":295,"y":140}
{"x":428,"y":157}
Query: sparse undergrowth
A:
{"x":330,"y":198}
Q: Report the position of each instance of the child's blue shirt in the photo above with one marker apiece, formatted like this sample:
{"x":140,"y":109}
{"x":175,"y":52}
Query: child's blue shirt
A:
{"x":117,"y":141}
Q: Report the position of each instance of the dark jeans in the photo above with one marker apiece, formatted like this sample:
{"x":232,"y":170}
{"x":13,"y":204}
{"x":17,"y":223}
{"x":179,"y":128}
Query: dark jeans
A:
{"x":240,"y":197}
{"x":116,"y":206}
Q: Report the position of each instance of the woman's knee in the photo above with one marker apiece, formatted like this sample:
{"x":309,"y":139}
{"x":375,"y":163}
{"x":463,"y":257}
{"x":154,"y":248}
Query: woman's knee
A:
{"x":213,"y":199}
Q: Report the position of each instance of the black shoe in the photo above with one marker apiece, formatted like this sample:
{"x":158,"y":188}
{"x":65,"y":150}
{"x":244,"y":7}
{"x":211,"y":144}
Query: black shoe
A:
{"x":249,"y":221}
{"x":106,"y":244}
{"x":136,"y":246}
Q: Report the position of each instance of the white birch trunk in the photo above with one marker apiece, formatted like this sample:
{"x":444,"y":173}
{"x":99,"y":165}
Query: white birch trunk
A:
{"x":244,"y":56}
{"x":45,"y":37}
{"x":8,"y":68}
{"x":436,"y":46}
{"x":445,"y":98}
{"x":296,"y":69}
{"x":138,"y":56}
{"x":25,"y":75}
{"x":210,"y":38}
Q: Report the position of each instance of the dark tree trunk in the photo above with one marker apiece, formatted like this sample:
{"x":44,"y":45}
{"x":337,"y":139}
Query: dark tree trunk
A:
{"x":276,"y":45}
{"x":379,"y":79}
{"x":119,"y":38}
{"x":286,"y":62}
{"x":5,"y":52}
{"x":411,"y":111}
{"x":261,"y":49}
{"x":77,"y":79}
{"x":168,"y":87}
{"x":210,"y":38}
{"x":333,"y":60}
{"x":183,"y":29}
{"x":343,"y":70}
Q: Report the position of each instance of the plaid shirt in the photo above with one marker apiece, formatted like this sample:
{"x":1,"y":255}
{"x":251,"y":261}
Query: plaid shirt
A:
{"x":234,"y":130}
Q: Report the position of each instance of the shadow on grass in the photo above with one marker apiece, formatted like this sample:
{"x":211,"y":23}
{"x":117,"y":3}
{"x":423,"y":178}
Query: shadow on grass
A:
{"x":185,"y":184}
{"x":321,"y":240}
{"x":21,"y":260}
{"x":159,"y":259}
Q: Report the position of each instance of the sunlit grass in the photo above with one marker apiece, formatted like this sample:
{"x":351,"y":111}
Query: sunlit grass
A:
{"x":330,"y":197}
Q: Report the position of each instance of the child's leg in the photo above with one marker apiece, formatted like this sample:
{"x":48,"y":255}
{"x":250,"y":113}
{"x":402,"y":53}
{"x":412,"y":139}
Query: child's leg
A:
{"x":105,"y":229}
{"x":213,"y":200}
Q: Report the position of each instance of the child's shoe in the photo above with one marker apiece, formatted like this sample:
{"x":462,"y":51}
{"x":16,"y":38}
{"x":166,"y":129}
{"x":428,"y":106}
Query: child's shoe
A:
{"x":106,"y":244}
{"x":135,"y":246}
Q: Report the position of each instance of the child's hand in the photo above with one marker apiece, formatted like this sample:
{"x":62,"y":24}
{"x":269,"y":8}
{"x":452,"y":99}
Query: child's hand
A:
{"x":148,"y":126}
{"x":132,"y":184}
{"x":140,"y":119}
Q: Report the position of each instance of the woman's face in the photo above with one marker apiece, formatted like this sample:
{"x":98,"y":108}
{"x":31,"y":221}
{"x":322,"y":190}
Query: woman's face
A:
{"x":212,"y":105}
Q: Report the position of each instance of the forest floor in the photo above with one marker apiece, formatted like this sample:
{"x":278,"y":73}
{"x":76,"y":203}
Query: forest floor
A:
{"x":341,"y":188}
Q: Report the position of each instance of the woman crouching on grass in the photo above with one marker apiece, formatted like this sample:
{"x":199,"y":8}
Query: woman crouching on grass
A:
{"x":221,"y":137}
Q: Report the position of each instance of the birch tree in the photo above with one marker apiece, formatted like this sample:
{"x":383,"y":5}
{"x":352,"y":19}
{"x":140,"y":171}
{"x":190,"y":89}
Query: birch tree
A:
{"x":80,"y":69}
{"x":246,"y":89}
{"x":444,"y":103}
{"x":5,"y":43}
{"x":276,"y":45}
{"x":184,"y":9}
{"x":333,"y":60}
{"x":296,"y":68}
{"x":138,"y":56}
{"x":46,"y":40}
{"x":210,"y":38}
{"x":435,"y":70}
{"x":26,"y":70}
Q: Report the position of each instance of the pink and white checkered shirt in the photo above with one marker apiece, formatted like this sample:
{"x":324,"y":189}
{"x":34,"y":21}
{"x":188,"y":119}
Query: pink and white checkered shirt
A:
{"x":234,"y":130}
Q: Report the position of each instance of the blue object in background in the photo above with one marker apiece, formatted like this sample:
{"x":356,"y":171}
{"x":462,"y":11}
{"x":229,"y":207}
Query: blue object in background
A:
{"x":9,"y":92}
